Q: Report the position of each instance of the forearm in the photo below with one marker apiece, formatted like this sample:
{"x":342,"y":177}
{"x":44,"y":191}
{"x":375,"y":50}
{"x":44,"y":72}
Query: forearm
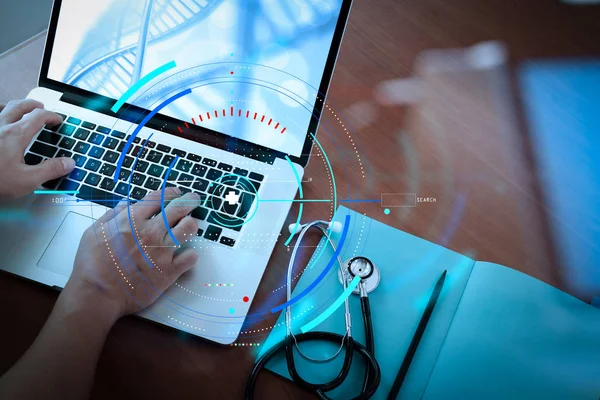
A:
{"x":63,"y":358}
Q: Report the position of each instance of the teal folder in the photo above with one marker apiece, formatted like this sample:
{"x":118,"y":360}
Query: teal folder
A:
{"x":494,"y":333}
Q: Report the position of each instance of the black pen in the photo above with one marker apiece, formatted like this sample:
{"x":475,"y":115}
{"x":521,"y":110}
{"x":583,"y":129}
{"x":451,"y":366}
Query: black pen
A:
{"x":412,"y":349}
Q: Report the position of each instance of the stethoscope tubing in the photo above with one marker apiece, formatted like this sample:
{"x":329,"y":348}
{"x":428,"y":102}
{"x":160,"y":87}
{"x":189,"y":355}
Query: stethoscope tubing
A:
{"x":372,"y":376}
{"x":373,"y":366}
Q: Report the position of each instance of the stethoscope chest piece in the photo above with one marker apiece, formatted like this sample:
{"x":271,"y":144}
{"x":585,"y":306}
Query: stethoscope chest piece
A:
{"x":365,"y":269}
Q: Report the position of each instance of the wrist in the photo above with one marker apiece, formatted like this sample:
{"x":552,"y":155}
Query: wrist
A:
{"x":82,"y":298}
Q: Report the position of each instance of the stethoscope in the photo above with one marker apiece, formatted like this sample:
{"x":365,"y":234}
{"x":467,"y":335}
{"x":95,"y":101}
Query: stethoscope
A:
{"x":369,"y":276}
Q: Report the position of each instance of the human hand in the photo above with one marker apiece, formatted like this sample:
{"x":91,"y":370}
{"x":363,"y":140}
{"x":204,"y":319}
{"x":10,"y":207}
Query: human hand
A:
{"x":103,"y":265}
{"x":19,"y":122}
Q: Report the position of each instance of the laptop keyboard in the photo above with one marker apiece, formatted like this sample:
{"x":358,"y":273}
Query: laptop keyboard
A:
{"x":96,"y":150}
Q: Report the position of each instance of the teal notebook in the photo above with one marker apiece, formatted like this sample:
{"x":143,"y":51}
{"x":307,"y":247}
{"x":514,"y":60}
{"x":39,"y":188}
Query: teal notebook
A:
{"x":494,"y":333}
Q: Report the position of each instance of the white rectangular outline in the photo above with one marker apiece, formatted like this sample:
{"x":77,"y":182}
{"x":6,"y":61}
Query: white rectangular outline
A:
{"x":396,"y":194}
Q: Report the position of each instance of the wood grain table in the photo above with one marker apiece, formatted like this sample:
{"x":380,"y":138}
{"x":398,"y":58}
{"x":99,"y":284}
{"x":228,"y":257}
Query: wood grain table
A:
{"x":501,"y":217}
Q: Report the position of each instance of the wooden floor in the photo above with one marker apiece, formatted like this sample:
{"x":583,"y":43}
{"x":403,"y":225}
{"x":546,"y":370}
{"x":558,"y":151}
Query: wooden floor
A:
{"x":502,"y":216}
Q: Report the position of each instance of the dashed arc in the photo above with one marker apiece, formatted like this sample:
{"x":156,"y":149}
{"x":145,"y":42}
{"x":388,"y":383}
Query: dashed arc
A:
{"x":232,"y":112}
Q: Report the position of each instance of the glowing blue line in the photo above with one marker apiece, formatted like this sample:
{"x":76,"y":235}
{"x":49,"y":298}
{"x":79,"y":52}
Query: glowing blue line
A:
{"x":310,"y":265}
{"x":133,"y":231}
{"x":330,"y":169}
{"x":457,"y":211}
{"x":331,"y":309}
{"x":142,"y":124}
{"x":138,"y":85}
{"x":295,"y":201}
{"x":359,"y":201}
{"x":56,"y":192}
{"x":301,"y":196}
{"x":162,"y":200}
{"x":323,"y":273}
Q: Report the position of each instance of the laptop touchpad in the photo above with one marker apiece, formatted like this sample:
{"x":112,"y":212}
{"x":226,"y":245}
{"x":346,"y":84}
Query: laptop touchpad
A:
{"x":60,"y":253}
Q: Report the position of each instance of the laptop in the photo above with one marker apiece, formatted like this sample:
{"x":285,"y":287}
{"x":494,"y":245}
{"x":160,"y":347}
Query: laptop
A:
{"x":245,"y":93}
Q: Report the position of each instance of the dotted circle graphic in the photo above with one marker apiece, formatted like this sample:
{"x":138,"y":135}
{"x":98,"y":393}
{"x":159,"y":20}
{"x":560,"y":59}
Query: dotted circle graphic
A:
{"x":343,"y":144}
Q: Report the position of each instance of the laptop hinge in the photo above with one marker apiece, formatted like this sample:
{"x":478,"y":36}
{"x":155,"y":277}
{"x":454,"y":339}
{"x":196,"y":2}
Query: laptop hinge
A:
{"x":175,"y":127}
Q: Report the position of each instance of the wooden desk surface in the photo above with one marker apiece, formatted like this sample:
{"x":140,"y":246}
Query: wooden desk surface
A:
{"x":500,"y":220}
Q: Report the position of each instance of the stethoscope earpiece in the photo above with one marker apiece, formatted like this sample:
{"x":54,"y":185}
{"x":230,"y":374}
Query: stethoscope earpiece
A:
{"x":335,"y":226}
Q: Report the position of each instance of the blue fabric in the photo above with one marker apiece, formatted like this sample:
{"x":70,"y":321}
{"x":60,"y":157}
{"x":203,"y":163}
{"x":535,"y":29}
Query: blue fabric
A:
{"x":495,"y":333}
{"x":514,"y":337}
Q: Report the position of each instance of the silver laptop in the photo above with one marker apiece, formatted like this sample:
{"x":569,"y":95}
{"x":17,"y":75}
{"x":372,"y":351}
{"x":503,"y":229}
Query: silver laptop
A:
{"x":235,"y":89}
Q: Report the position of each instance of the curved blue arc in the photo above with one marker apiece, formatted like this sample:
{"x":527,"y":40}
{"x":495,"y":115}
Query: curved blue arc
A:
{"x":129,"y":210}
{"x":162,"y":200}
{"x":312,"y":111}
{"x":457,"y":211}
{"x":138,"y":85}
{"x":323,"y":273}
{"x":142,"y":124}
{"x":331,"y":309}
{"x":301,"y":196}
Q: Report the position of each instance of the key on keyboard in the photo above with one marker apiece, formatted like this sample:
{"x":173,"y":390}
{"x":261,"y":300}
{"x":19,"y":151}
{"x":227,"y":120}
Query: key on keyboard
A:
{"x":66,"y":129}
{"x":155,"y":170}
{"x":68,"y":185}
{"x":107,"y":169}
{"x":63,"y":153}
{"x":199,"y":170}
{"x":154,"y":156}
{"x":92,"y":179}
{"x":77,"y":174}
{"x":88,"y":125}
{"x":213,"y":233}
{"x":81,"y":134}
{"x":138,"y":179}
{"x":225,"y":221}
{"x":98,"y":196}
{"x":179,"y":153}
{"x":184,"y":165}
{"x":32,"y":159}
{"x":74,"y":121}
{"x":96,"y":138}
{"x":111,"y":156}
{"x":227,"y":241}
{"x":122,"y":188}
{"x":107,"y":184}
{"x":67,"y":143}
{"x":167,"y":160}
{"x":96,"y":152}
{"x":49,"y":137}
{"x":138,"y":193}
{"x":209,"y":162}
{"x":213,"y":174}
{"x":92,"y":165}
{"x":81,"y":147}
{"x":43,"y":149}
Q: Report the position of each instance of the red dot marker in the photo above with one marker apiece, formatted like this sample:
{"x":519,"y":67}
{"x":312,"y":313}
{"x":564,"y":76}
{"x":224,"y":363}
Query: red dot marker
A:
{"x":231,"y":72}
{"x":246,"y":299}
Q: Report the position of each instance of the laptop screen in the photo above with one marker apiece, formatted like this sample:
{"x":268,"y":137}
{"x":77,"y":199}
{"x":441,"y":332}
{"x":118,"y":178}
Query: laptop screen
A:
{"x":254,"y":66}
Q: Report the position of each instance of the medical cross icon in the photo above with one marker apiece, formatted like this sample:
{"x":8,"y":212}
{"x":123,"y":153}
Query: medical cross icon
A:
{"x":232,"y":198}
